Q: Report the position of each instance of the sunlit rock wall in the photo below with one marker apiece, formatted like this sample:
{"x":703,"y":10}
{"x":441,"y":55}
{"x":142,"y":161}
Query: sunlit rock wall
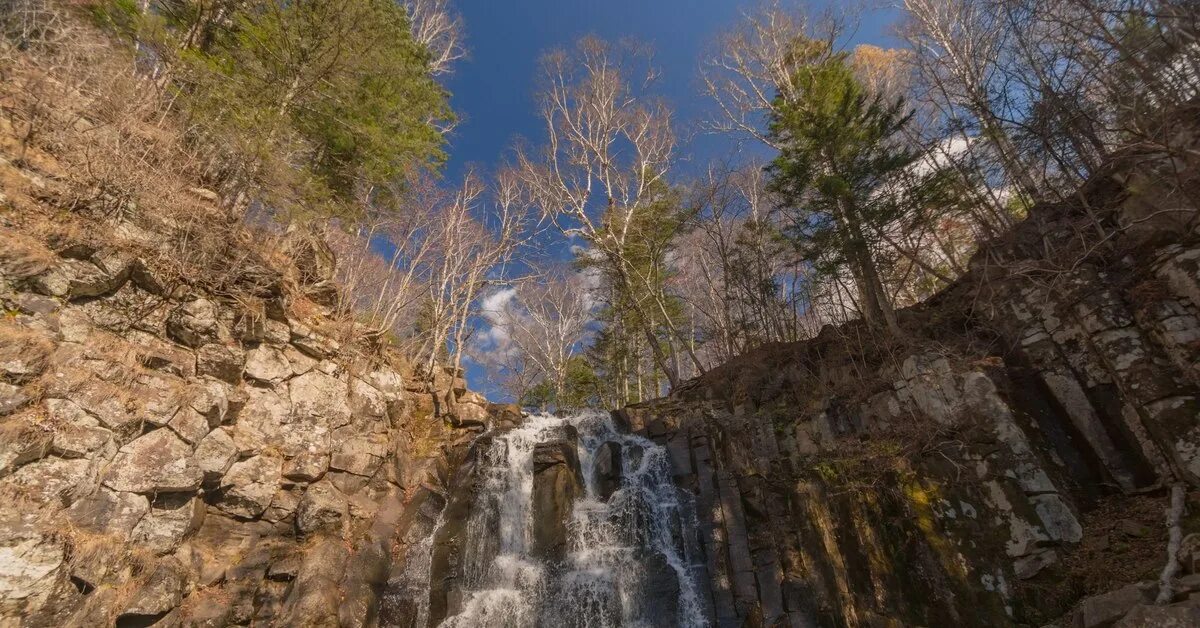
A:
{"x":167,"y":454}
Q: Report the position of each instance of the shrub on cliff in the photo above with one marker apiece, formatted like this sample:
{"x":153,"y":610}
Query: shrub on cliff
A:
{"x":308,"y":104}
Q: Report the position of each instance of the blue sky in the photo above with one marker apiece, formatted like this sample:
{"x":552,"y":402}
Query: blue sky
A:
{"x":493,"y":89}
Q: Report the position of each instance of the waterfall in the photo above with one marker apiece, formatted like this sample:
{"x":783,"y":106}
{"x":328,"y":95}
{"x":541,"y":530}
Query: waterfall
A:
{"x":570,"y":523}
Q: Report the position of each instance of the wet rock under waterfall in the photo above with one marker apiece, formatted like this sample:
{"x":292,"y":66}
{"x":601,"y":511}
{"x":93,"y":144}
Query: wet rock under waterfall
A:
{"x":557,"y":522}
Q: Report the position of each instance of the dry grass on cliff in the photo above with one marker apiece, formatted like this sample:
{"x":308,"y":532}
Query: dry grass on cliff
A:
{"x":93,"y":152}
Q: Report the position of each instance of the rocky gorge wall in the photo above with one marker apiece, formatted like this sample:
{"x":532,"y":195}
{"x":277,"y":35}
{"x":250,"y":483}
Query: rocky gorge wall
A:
{"x":170,"y":455}
{"x":1009,"y":457}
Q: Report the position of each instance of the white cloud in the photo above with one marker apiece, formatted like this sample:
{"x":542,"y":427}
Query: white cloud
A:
{"x":495,"y":312}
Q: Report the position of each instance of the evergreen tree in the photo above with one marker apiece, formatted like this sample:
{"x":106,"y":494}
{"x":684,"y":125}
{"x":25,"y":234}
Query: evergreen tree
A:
{"x":844,"y":177}
{"x":317,"y":101}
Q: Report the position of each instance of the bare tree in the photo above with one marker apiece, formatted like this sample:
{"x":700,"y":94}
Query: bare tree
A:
{"x":471,"y":251}
{"x":546,"y":321}
{"x":604,"y":166}
{"x":437,"y":27}
{"x":386,"y":256}
{"x":756,"y":62}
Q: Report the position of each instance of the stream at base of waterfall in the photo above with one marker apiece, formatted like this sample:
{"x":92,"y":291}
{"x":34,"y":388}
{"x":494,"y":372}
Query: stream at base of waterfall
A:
{"x":563,"y":522}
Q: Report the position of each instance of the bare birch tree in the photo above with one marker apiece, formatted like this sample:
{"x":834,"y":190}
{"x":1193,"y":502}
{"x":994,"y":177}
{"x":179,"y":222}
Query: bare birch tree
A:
{"x":756,"y":62}
{"x":604,"y":166}
{"x":546,"y":322}
{"x":437,"y":27}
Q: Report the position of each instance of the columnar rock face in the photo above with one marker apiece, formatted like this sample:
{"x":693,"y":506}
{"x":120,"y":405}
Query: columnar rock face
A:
{"x":1009,"y":457}
{"x":167,"y":455}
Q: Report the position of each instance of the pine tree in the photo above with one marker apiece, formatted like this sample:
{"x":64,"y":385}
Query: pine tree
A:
{"x":844,"y":177}
{"x":316,"y":101}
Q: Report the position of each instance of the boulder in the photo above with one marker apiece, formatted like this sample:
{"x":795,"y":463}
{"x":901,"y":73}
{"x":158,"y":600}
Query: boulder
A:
{"x":161,"y":592}
{"x":387,"y":381}
{"x":556,"y":485}
{"x":12,"y":398}
{"x":276,"y":332}
{"x":159,"y":355}
{"x":1185,"y":615}
{"x":360,"y":455}
{"x":156,"y":462}
{"x":29,"y":564}
{"x":171,"y":518}
{"x":315,"y":598}
{"x":189,"y":425}
{"x":366,"y":400}
{"x":105,"y":402}
{"x":159,"y":397}
{"x":215,"y":454}
{"x":323,"y":507}
{"x":655,"y":591}
{"x":306,"y":466}
{"x":221,"y":362}
{"x":1103,"y":610}
{"x":284,"y":504}
{"x":193,"y":323}
{"x":212,"y":399}
{"x":313,"y":344}
{"x":109,"y":512}
{"x":314,"y":259}
{"x":607,"y":469}
{"x":52,"y":479}
{"x":79,"y":441}
{"x":261,"y":420}
{"x":300,"y":363}
{"x":267,"y":364}
{"x":76,"y":278}
{"x":505,"y":415}
{"x":316,"y":394}
{"x":249,"y":486}
{"x":20,"y":447}
{"x":469,"y":415}
{"x":24,"y":355}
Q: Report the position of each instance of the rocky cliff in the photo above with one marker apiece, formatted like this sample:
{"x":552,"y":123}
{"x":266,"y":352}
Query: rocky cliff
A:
{"x":1009,"y":456}
{"x":191,"y":439}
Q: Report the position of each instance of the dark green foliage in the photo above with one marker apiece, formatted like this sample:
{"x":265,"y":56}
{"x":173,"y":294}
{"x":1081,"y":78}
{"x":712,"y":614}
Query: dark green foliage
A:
{"x":314,"y":101}
{"x":840,"y":156}
{"x":843,"y":175}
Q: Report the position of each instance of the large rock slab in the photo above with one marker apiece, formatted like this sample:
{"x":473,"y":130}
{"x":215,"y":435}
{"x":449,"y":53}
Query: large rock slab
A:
{"x":316,"y":394}
{"x":193,"y":323}
{"x":323,"y":507}
{"x":261,"y":420}
{"x":109,"y":512}
{"x":157,"y":462}
{"x":29,"y":564}
{"x":556,"y":485}
{"x":249,"y":486}
{"x":161,"y":592}
{"x":215,"y":454}
{"x":607,"y":469}
{"x":169,"y":521}
{"x":1186,"y":615}
{"x":220,"y":361}
{"x":267,"y":364}
{"x":1103,"y":610}
{"x":52,"y":480}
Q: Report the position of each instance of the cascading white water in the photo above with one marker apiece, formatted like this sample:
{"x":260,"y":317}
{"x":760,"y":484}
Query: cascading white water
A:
{"x":625,"y":553}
